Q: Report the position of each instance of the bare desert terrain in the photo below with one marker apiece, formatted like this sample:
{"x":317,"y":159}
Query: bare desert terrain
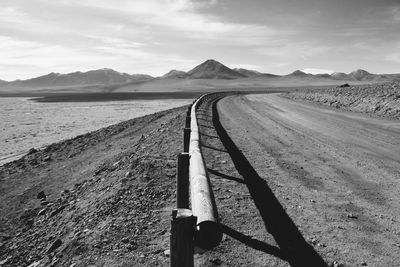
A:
{"x":296,"y":183}
{"x":377,"y":99}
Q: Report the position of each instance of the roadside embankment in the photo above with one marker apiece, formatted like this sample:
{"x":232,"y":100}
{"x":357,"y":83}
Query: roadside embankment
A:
{"x":378,"y":99}
{"x":106,"y":197}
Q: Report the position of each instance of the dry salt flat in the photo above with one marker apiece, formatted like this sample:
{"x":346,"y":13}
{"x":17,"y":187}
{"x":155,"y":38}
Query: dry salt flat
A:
{"x":26,"y":124}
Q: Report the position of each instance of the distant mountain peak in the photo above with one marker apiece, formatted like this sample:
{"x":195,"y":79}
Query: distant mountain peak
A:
{"x":298,"y":73}
{"x":101,"y":76}
{"x":175,"y":74}
{"x":211,"y":61}
{"x":360,"y":71}
{"x":248,"y":73}
{"x":359,"y":74}
{"x":339,"y":75}
{"x":212,"y":69}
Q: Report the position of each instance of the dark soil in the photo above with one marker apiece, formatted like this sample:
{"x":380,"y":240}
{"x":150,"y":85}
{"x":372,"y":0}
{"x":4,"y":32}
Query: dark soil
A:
{"x":107,"y":199}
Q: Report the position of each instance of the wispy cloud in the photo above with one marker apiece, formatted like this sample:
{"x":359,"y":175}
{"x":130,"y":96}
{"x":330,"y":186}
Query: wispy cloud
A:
{"x":286,"y":49}
{"x":155,"y":35}
{"x":130,"y":31}
{"x":394,"y":13}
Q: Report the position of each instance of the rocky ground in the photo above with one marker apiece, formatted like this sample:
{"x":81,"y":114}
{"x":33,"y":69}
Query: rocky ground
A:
{"x":100,"y":199}
{"x":294,"y":184}
{"x":378,"y":99}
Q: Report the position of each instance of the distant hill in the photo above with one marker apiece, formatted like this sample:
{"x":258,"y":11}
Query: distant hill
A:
{"x":175,"y":74}
{"x":208,"y":75}
{"x":141,"y":77}
{"x":323,"y":75}
{"x":363,"y":75}
{"x":298,"y":73}
{"x":212,"y":69}
{"x":359,"y":74}
{"x":248,"y":73}
{"x":339,"y":76}
{"x":93,"y":77}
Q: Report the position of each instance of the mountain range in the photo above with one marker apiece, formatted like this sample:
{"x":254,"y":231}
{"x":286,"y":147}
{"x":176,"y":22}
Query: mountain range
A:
{"x":209,"y":70}
{"x":100,"y":77}
{"x":212,"y":69}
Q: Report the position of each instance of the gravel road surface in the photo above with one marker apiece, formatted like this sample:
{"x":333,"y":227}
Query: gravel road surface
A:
{"x":301,"y":185}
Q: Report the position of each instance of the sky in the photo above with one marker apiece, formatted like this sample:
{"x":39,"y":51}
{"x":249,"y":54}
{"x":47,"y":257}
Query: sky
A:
{"x":154,"y":36}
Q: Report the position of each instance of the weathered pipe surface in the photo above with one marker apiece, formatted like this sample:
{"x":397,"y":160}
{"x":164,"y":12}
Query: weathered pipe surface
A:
{"x":209,"y":234}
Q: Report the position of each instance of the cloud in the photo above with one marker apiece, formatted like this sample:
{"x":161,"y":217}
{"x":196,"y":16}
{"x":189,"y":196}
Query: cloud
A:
{"x":155,"y":35}
{"x":396,"y":14}
{"x":11,"y":14}
{"x":393,"y":57}
{"x":285,"y":49}
{"x":26,"y":59}
{"x":180,"y":18}
{"x":139,"y":36}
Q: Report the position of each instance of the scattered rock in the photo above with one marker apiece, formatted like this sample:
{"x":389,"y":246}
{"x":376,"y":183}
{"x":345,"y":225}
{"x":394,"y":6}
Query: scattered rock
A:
{"x":32,"y":151}
{"x":42,"y":212}
{"x":47,"y":158}
{"x":55,"y":212}
{"x":65,"y":192}
{"x":115,"y":164}
{"x":41,"y":195}
{"x":216,"y":261}
{"x":125,"y":240}
{"x":5,"y":260}
{"x":157,"y":251}
{"x":364,"y":264}
{"x":352,"y":216}
{"x":162,"y":232}
{"x":44,"y":202}
{"x":132,"y":247}
{"x":56,"y":244}
{"x":4,"y":236}
{"x":314,"y":241}
{"x":34,"y":264}
{"x":29,"y":223}
{"x":167,"y":252}
{"x":336,"y":264}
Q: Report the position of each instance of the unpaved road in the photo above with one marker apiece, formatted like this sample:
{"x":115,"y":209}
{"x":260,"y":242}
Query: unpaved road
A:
{"x":301,"y":185}
{"x":294,"y":184}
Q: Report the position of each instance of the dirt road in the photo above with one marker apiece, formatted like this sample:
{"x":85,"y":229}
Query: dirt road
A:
{"x":300,"y":185}
{"x":294,"y":184}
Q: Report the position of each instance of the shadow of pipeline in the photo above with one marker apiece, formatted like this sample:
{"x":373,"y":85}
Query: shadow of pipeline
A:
{"x":292,"y":245}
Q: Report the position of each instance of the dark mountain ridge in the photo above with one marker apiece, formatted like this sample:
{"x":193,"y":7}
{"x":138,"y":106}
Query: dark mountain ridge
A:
{"x":210,"y":69}
{"x":101,"y":77}
{"x":175,"y":74}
